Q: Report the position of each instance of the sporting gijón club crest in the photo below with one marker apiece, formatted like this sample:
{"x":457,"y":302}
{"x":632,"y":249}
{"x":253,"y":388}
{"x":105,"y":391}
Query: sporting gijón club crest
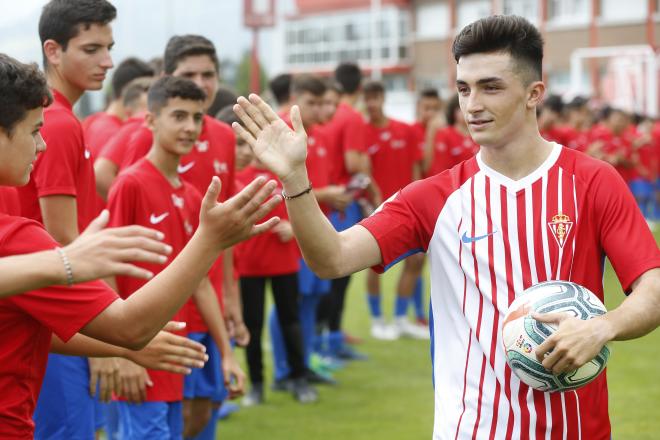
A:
{"x":560,"y":226}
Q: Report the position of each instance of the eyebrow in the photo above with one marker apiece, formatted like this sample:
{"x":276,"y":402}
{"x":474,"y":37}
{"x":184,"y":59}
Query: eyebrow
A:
{"x":482,"y":81}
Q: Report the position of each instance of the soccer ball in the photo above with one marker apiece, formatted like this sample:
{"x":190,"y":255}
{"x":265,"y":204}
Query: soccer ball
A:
{"x":521,"y":334}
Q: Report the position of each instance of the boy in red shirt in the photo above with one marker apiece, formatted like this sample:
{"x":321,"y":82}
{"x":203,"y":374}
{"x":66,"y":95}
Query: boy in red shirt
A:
{"x":395,"y":157}
{"x":30,"y":319}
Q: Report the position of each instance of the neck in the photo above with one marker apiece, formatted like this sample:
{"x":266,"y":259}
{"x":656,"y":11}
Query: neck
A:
{"x":520,"y":157}
{"x":379,"y":120}
{"x":57,"y":82}
{"x":349,"y":99}
{"x":166,"y":163}
{"x":116,"y":108}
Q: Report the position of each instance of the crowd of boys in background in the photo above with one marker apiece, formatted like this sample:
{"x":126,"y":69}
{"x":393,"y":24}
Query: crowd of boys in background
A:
{"x":150,"y":155}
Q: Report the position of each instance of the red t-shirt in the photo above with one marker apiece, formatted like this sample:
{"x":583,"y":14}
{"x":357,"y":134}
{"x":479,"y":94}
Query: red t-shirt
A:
{"x":27,"y":322}
{"x":9,"y":202}
{"x":393,"y":150}
{"x":65,"y":168}
{"x":576,"y":139}
{"x":420,"y":133}
{"x":214,"y":154}
{"x":615,"y":145}
{"x":265,"y":254}
{"x":115,"y":149}
{"x":346,"y":131}
{"x":98,"y":129}
{"x":451,"y":148}
{"x":141,"y":195}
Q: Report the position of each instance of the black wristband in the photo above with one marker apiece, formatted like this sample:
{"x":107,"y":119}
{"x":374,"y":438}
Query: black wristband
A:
{"x":295,"y":196}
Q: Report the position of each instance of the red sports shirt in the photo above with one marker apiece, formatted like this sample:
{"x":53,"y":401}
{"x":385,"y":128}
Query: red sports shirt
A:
{"x":27,"y":322}
{"x":98,"y":129}
{"x":488,"y":238}
{"x":65,"y":168}
{"x":615,"y":146}
{"x":141,"y":195}
{"x":394,"y":151}
{"x":451,"y":148}
{"x":265,"y":255}
{"x":115,"y":149}
{"x":346,"y":131}
{"x":9,"y":202}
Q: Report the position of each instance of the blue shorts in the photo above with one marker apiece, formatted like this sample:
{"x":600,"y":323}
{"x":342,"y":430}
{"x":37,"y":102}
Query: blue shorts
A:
{"x":641,"y":188}
{"x":309,"y":283}
{"x":346,"y":219}
{"x":65,"y":410}
{"x":151,"y":421}
{"x":207,"y":382}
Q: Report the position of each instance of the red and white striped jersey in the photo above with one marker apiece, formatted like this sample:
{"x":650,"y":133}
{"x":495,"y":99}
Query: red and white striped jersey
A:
{"x":488,"y":238}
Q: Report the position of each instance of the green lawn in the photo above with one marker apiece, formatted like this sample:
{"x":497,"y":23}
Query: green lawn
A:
{"x":390,"y":396}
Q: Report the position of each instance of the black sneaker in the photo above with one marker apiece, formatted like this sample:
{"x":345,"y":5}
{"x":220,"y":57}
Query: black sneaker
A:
{"x":282,"y":385}
{"x":255,"y":396}
{"x":303,"y":392}
{"x":319,"y":379}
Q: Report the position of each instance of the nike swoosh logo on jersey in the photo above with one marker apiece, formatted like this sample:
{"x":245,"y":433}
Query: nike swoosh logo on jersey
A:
{"x":184,"y":168}
{"x":155,"y":219}
{"x":465,"y":239}
{"x":87,"y":154}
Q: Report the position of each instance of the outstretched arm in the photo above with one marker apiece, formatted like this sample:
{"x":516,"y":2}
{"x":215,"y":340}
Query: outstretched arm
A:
{"x":328,"y":253}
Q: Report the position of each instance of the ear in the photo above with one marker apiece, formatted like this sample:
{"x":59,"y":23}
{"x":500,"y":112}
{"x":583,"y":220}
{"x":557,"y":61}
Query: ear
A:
{"x":150,"y":119}
{"x":52,"y":52}
{"x":535,"y":94}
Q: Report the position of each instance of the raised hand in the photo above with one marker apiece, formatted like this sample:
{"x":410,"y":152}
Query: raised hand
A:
{"x":277,"y":146}
{"x":235,"y":220}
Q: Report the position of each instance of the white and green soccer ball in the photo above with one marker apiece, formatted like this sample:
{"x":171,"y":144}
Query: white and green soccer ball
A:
{"x":521,"y":334}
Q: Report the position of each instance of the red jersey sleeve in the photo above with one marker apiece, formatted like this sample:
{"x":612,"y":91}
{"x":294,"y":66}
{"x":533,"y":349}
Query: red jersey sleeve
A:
{"x":624,"y":234}
{"x":56,"y":169}
{"x":64,"y":310}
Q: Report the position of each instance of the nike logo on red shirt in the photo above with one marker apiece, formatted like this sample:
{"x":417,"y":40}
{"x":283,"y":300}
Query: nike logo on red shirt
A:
{"x":183,"y":168}
{"x":155,"y":219}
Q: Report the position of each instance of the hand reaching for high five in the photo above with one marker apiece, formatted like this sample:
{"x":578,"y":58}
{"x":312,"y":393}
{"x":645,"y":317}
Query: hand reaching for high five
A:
{"x":277,"y":146}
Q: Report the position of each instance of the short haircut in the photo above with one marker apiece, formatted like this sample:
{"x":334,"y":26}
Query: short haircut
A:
{"x":429,"y":92}
{"x":24,"y":88}
{"x":227,"y":115}
{"x":307,"y":83}
{"x":553,"y":103}
{"x":577,"y":103}
{"x":504,"y":33}
{"x":349,"y":76}
{"x":332,"y":84}
{"x":280,"y":87}
{"x":450,"y":110}
{"x":223,"y":97}
{"x":128,"y":70}
{"x":62,"y":20}
{"x":134,"y":90}
{"x":169,"y":87}
{"x":179,"y":47}
{"x":373,"y":88}
{"x":156,"y":63}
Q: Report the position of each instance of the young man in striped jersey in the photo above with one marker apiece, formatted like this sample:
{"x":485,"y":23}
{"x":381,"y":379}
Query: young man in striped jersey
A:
{"x":489,"y":226}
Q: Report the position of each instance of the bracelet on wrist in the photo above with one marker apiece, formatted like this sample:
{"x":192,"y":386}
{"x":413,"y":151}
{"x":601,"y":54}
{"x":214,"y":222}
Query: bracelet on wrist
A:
{"x":300,"y":194}
{"x":67,"y":266}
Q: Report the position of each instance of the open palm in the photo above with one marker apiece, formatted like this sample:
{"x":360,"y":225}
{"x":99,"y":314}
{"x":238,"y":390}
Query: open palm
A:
{"x":277,"y":146}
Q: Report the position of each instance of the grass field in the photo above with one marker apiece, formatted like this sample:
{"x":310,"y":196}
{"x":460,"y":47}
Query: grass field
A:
{"x":390,"y":396}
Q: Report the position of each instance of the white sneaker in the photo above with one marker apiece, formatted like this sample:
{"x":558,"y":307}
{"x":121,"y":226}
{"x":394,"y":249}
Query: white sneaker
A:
{"x":408,"y":329}
{"x":380,"y":330}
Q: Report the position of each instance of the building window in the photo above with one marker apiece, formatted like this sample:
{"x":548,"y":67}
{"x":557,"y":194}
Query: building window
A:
{"x":528,"y":9}
{"x":432,"y":21}
{"x":618,"y":10}
{"x":569,"y":12}
{"x":469,"y":11}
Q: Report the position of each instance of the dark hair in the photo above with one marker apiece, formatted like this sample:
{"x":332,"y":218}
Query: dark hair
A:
{"x":61,"y":20}
{"x":223,"y":97}
{"x":373,"y":88}
{"x":349,"y":76}
{"x":169,"y":87}
{"x":332,"y":84}
{"x":23,"y":88}
{"x":227,"y":115}
{"x":450,"y":110}
{"x":577,"y":102}
{"x":180,"y":47}
{"x":308,"y":83}
{"x":128,"y":70}
{"x":156,"y":64}
{"x":504,"y":33}
{"x":280,"y":87}
{"x":429,"y":93}
{"x":554,"y":103}
{"x":135,"y":89}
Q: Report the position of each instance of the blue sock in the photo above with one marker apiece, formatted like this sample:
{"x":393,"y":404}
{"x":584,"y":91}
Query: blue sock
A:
{"x":307,"y":308}
{"x":418,"y":298}
{"x":335,"y":342}
{"x":374,"y":305}
{"x":401,"y":306}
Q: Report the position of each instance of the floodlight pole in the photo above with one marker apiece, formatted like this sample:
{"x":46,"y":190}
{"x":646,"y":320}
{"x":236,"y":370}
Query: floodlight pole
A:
{"x":255,"y":80}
